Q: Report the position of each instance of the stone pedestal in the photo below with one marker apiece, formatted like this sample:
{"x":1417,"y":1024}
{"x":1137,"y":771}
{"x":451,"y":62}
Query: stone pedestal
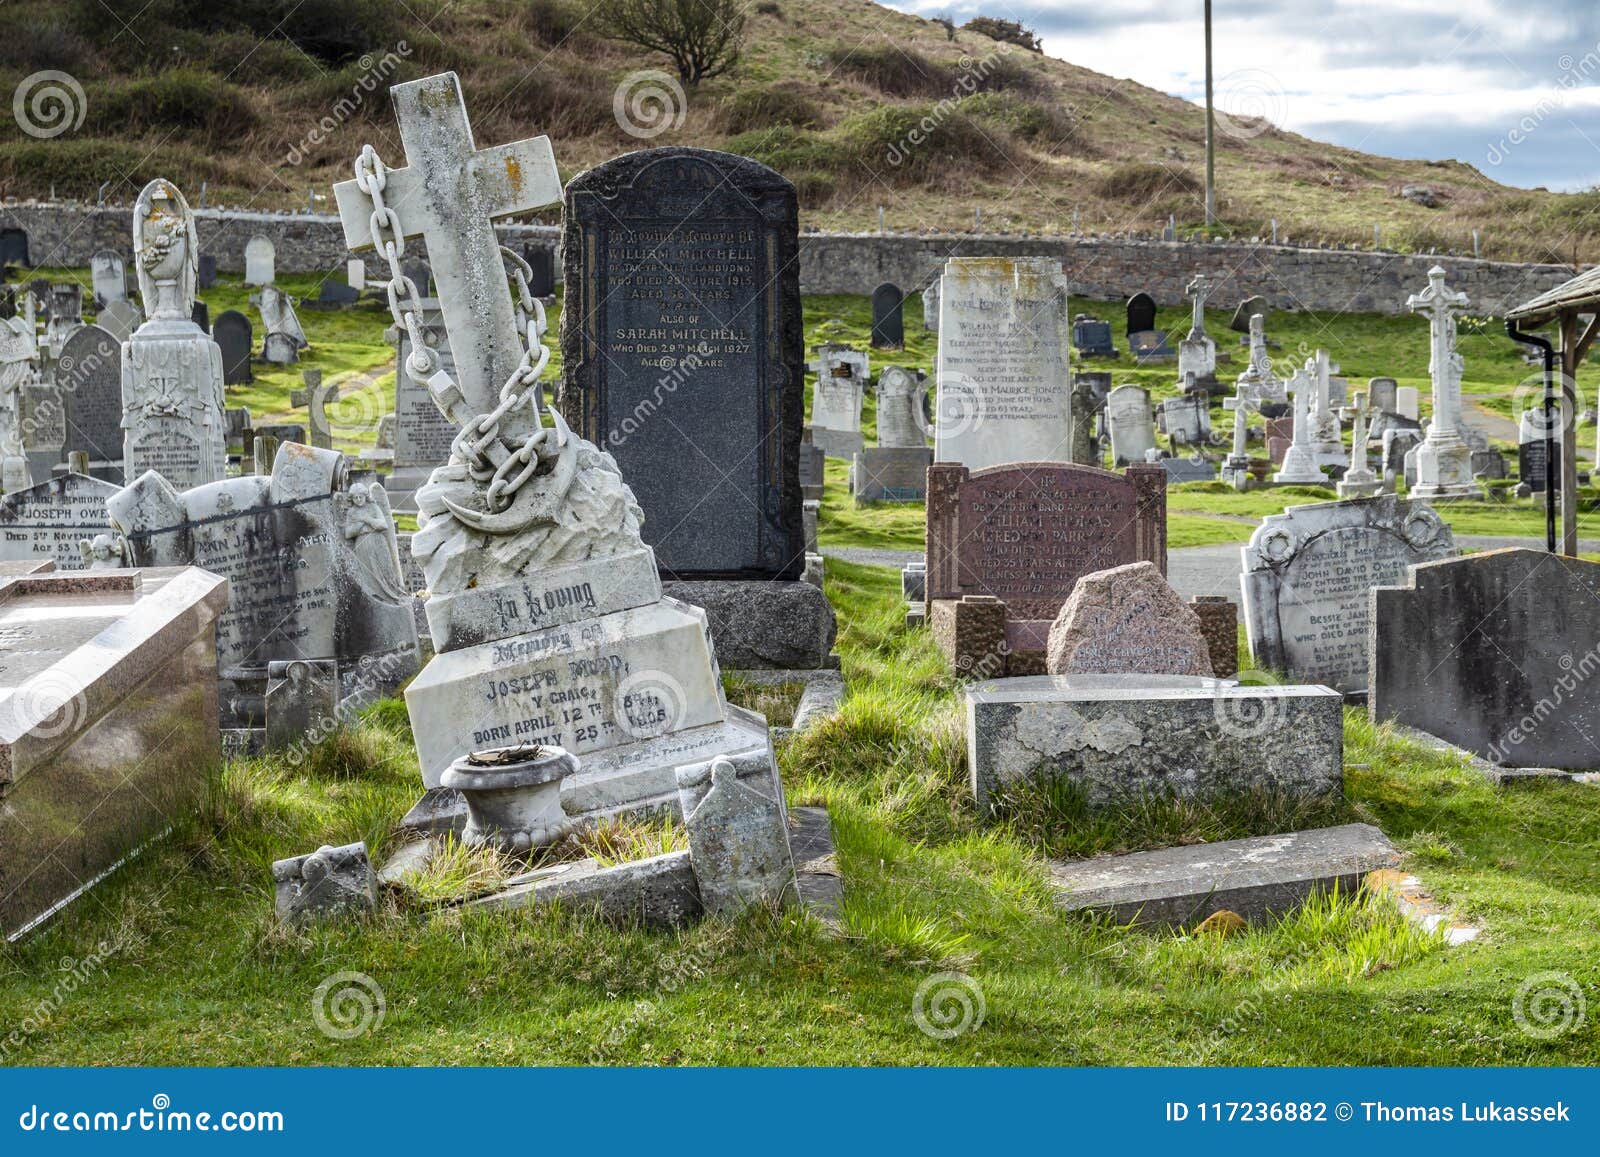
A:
{"x":172,"y":404}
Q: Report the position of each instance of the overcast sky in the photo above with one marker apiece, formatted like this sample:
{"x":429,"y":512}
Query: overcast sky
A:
{"x":1511,"y":86}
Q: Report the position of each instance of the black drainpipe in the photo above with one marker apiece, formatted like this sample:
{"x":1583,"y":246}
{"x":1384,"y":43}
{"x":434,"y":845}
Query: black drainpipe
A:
{"x":1544,"y":345}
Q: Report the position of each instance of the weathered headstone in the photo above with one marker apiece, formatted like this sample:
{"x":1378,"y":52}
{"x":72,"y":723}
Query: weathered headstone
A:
{"x":895,"y":470}
{"x":1185,"y":420}
{"x":235,"y":337}
{"x":89,"y":376}
{"x":1307,"y":574}
{"x":278,"y":315}
{"x":280,"y":349}
{"x":14,"y":247}
{"x":541,"y":261}
{"x":1408,"y":403}
{"x":1382,"y":395}
{"x":422,"y":432}
{"x":109,"y":277}
{"x":108,"y":722}
{"x":207,"y":271}
{"x":1127,"y":620}
{"x":902,"y":420}
{"x":51,"y":519}
{"x":311,"y":566}
{"x":1020,"y":537}
{"x":1131,"y":425}
{"x":302,"y":702}
{"x":930,"y":306}
{"x":260,"y":261}
{"x":888,"y":322}
{"x":327,"y":883}
{"x":172,"y":379}
{"x":1493,"y":653}
{"x":1197,"y":353}
{"x":738,"y":838}
{"x":1091,"y":337}
{"x":1003,"y":387}
{"x":842,"y":373}
{"x":683,"y":352}
{"x":1252,"y":306}
{"x":121,"y":318}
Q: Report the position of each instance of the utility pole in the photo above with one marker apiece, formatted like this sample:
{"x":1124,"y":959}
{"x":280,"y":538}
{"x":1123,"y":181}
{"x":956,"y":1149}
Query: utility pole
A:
{"x":1211,"y":125}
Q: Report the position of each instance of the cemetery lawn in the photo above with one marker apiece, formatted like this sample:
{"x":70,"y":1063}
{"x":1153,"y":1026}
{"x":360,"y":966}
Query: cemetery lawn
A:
{"x":195,"y":970}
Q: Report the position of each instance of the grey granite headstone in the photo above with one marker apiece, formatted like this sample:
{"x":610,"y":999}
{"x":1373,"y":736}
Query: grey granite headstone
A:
{"x":1495,"y":653}
{"x":1307,"y":575}
{"x":683,"y":352}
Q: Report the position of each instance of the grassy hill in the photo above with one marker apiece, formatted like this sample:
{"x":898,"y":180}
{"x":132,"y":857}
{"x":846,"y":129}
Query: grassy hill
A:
{"x":861,"y":106}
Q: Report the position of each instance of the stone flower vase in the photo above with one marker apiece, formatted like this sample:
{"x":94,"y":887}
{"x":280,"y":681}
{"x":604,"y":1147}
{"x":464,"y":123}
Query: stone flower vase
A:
{"x":513,"y":795}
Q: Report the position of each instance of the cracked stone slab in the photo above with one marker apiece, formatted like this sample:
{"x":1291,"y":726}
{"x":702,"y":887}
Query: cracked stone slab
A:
{"x":1260,"y":878}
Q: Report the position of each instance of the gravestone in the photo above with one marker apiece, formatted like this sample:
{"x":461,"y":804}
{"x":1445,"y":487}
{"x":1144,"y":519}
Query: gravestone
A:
{"x":280,"y":349}
{"x":235,"y":337}
{"x":1382,"y":395}
{"x":260,"y":261}
{"x":108,"y":723}
{"x":172,"y":381}
{"x":1195,"y":469}
{"x":1408,"y":403}
{"x":42,"y":422}
{"x":1537,"y":442}
{"x":201,"y":316}
{"x":355,"y":274}
{"x":930,"y":307}
{"x":1399,"y":450}
{"x":895,"y":470}
{"x":19,"y":376}
{"x":1185,"y":420}
{"x":1493,"y":653}
{"x":302,"y":702}
{"x":1007,"y":545}
{"x":682,"y":352}
{"x":311,"y":566}
{"x":208,"y":271}
{"x":1444,"y":459}
{"x":328,"y":883}
{"x":1307,"y":574}
{"x":109,"y":278}
{"x":1089,"y":391}
{"x":14,"y":248}
{"x":278,"y":315}
{"x":542,"y":265}
{"x":66,"y":312}
{"x":422,"y":433}
{"x":1248,"y":308}
{"x":332,"y":294}
{"x":1197,"y":353}
{"x":1141,"y":314}
{"x":1131,"y":425}
{"x":89,"y":376}
{"x":1091,"y":337}
{"x":888,"y":322}
{"x":738,"y":839}
{"x":1003,"y":385}
{"x":902,"y":420}
{"x":813,"y":468}
{"x":121,"y":318}
{"x":49,"y":520}
{"x":842,"y":373}
{"x":1127,"y":620}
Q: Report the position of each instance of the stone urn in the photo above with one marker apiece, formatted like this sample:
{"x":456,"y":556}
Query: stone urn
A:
{"x":513,"y":795}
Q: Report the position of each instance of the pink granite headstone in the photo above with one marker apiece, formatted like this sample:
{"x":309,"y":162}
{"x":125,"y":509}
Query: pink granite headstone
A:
{"x":1127,"y":621}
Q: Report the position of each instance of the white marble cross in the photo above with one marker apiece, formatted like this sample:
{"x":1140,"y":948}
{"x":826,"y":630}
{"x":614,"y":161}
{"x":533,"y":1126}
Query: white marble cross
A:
{"x":1199,"y":289}
{"x":1441,"y":305}
{"x":449,"y":194}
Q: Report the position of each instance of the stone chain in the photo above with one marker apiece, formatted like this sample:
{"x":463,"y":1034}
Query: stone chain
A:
{"x":475,"y":438}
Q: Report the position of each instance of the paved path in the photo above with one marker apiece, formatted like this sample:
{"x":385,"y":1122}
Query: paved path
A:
{"x":1193,"y":570}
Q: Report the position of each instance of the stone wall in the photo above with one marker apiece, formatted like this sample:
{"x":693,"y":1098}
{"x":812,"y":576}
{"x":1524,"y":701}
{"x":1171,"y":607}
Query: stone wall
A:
{"x":1103,"y":268}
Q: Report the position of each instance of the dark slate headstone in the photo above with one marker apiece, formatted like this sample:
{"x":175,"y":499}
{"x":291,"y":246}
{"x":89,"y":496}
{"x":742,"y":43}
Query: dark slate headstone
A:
{"x":89,"y":375}
{"x":208,"y":272}
{"x":14,"y":248}
{"x":234,"y":334}
{"x":1141,"y":313}
{"x":1530,"y":463}
{"x":684,"y":353}
{"x":542,"y":262}
{"x":201,"y":316}
{"x":1248,"y":308}
{"x":888,"y":319}
{"x":334,"y":293}
{"x":1492,"y":653}
{"x":1092,"y":337}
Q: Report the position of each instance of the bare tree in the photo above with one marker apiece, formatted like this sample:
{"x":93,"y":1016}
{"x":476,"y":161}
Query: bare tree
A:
{"x":703,"y":37}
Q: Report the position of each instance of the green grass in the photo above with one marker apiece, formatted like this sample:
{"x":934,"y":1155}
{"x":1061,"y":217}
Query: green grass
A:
{"x":195,"y":970}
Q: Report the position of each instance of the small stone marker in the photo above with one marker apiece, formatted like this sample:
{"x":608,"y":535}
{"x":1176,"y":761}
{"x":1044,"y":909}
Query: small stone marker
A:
{"x":842,"y":373}
{"x":1131,"y":425}
{"x":1307,"y":577}
{"x":738,"y":837}
{"x":279,"y":349}
{"x":1125,"y":621}
{"x":88,"y":657}
{"x":1123,"y":739}
{"x":1003,"y":391}
{"x":260,"y":261}
{"x":328,"y":882}
{"x":888,"y":323}
{"x":109,"y":277}
{"x":235,"y":336}
{"x":302,"y":702}
{"x":1493,"y":653}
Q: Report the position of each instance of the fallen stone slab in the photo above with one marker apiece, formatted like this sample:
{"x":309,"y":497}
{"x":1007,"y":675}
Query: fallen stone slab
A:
{"x":816,"y":868}
{"x":1418,"y":906}
{"x":1259,"y":878}
{"x":659,"y":892}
